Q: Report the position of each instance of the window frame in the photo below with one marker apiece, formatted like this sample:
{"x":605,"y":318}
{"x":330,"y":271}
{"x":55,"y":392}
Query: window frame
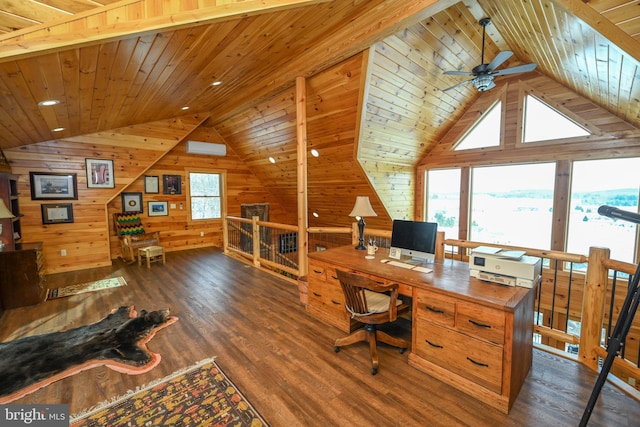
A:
{"x":223,"y":193}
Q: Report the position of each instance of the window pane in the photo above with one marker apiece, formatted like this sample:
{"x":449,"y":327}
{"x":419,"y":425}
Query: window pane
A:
{"x":613,"y":182}
{"x":543,"y":123}
{"x":485,"y":133}
{"x":443,"y":200}
{"x":513,"y":204}
{"x":205,"y":184}
{"x":205,"y":207}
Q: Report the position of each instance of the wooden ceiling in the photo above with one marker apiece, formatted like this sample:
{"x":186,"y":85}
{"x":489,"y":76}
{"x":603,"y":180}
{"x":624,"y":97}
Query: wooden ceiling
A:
{"x":116,"y":64}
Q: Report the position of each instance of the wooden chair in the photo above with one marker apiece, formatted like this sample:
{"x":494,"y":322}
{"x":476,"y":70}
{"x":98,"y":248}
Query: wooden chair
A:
{"x":132,"y":235}
{"x":371,"y":303}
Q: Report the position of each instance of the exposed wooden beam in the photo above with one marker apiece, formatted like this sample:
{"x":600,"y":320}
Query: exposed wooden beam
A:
{"x":129,"y":17}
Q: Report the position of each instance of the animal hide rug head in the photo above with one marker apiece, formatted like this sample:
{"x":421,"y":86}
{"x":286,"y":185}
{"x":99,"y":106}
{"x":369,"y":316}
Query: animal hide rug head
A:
{"x":117,"y":341}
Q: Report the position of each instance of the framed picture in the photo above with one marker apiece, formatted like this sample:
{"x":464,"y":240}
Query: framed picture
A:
{"x":158,"y":208}
{"x":151,"y":184}
{"x":55,"y":214}
{"x":172,"y":184}
{"x":48,"y":186}
{"x":132,"y":202}
{"x":100,"y":173}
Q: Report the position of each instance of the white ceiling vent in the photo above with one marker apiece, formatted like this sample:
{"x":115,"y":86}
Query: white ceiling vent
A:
{"x":207,"y":148}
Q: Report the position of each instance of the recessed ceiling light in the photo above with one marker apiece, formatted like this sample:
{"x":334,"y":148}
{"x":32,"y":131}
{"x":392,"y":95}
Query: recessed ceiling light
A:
{"x":217,"y":83}
{"x":48,"y":102}
{"x":184,"y":108}
{"x":57,"y":129}
{"x":272,"y":160}
{"x":314,"y":152}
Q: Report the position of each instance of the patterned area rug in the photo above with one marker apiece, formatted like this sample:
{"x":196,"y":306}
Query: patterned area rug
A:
{"x":201,"y":395}
{"x":98,"y":285}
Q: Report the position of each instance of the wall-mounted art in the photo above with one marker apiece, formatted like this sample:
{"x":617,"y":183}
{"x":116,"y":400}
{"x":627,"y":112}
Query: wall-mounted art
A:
{"x":55,"y":214}
{"x":151,"y":184}
{"x":49,"y":186}
{"x":100,"y":173}
{"x":158,"y":208}
{"x":171,"y":184}
{"x":132,"y":202}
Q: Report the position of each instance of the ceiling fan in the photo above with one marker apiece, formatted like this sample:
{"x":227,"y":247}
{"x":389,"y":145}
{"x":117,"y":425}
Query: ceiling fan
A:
{"x":483,"y":74}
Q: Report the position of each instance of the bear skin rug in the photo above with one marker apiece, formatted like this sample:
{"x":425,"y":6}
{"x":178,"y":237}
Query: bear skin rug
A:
{"x":118,"y":341}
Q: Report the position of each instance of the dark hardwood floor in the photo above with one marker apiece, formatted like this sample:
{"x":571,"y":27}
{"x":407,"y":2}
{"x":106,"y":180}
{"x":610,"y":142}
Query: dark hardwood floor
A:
{"x":283,"y":360}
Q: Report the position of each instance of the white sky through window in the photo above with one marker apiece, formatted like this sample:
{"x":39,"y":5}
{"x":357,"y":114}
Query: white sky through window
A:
{"x":485,"y":133}
{"x":543,"y":123}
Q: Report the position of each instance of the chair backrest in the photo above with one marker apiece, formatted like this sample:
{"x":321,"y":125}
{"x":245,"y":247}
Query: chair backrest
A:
{"x":367,"y":300}
{"x":127,"y":224}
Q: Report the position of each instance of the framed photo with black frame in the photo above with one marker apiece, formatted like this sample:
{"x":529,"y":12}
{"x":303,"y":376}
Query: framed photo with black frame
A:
{"x":58,"y":213}
{"x":156,"y":208}
{"x":132,"y":202}
{"x":100,"y":173}
{"x":151,"y":184}
{"x":50,"y":186}
{"x":172,"y":184}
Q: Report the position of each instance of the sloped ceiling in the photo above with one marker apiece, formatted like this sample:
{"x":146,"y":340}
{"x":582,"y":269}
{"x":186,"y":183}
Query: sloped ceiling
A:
{"x":139,"y":61}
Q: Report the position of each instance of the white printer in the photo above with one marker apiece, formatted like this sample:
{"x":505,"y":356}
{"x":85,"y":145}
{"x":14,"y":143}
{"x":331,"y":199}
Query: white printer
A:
{"x":507,"y":267}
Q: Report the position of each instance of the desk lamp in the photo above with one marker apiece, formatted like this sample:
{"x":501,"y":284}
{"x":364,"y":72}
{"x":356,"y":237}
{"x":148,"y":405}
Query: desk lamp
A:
{"x":4,"y":213}
{"x":361,"y":209}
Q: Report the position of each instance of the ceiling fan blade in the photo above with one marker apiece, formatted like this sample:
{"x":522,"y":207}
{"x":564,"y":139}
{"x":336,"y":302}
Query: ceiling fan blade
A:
{"x":499,"y":59}
{"x":459,"y":73}
{"x":514,"y":70}
{"x":456,"y":85}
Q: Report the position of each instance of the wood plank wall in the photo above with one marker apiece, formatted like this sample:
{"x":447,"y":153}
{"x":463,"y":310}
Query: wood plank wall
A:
{"x":90,"y":240}
{"x":335,"y":177}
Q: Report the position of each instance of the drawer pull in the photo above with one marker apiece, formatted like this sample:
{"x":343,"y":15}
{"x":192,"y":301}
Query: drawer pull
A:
{"x":433,"y":345}
{"x":477,"y":363}
{"x":479,"y":325}
{"x":317,"y":271}
{"x":434,"y":310}
{"x":336,"y":302}
{"x":317,"y":294}
{"x":334,"y":277}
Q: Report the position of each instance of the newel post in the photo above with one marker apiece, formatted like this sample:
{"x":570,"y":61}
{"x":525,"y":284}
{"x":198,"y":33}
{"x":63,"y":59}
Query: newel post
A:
{"x":256,"y":241}
{"x":595,"y":291}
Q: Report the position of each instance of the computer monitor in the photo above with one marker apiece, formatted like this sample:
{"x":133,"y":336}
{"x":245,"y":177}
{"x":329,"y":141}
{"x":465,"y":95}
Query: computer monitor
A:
{"x":413,"y":239}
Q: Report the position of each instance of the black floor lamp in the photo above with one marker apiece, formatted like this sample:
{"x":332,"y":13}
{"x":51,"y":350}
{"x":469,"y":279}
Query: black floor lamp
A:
{"x":361,"y":209}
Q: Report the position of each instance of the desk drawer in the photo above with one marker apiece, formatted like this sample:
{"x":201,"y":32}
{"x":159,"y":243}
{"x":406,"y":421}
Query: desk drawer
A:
{"x":481,"y":322}
{"x":475,"y":360}
{"x":317,"y":272}
{"x":435,"y":308}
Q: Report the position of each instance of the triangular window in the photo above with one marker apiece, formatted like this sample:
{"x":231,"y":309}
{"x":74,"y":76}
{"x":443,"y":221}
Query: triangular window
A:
{"x":486,"y":131}
{"x":544,"y":123}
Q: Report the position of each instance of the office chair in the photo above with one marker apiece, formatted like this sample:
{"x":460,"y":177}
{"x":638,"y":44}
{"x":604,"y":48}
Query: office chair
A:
{"x":372,"y":304}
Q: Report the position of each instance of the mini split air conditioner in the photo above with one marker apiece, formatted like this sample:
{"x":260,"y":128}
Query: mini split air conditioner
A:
{"x":207,"y":148}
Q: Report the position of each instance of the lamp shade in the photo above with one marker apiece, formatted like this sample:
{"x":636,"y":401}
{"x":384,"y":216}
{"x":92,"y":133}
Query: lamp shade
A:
{"x":4,"y":212}
{"x":362,"y":207}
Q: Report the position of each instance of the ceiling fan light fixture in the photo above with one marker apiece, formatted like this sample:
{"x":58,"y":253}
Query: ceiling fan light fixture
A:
{"x":483,"y":82}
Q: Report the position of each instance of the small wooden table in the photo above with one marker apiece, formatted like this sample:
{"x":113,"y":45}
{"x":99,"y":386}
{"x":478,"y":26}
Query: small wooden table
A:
{"x":152,"y":254}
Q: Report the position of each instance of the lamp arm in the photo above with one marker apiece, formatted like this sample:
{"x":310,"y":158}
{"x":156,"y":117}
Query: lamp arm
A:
{"x":361,"y":225}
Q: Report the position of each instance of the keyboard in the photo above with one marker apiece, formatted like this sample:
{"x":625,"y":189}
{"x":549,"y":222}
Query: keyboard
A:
{"x":410,"y":266}
{"x":401,"y":264}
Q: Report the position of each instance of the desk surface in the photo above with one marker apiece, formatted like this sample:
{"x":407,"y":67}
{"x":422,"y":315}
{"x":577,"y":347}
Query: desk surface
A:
{"x":448,"y":277}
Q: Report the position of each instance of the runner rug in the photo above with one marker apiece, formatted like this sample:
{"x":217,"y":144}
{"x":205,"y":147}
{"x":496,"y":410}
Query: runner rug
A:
{"x":119,"y":341}
{"x":201,"y":395}
{"x":98,"y":285}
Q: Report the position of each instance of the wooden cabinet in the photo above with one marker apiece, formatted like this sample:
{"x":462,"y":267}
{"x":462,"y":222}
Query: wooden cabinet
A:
{"x":326,"y":300}
{"x":22,"y":279}
{"x":475,"y":336}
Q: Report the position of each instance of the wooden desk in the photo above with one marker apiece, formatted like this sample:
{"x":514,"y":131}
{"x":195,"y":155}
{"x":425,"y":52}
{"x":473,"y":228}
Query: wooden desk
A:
{"x":474,"y":335}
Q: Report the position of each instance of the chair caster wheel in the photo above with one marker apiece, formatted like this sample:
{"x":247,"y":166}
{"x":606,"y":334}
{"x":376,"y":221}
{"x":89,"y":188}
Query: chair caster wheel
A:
{"x":336,"y":349}
{"x":374,"y":371}
{"x":402,"y":350}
